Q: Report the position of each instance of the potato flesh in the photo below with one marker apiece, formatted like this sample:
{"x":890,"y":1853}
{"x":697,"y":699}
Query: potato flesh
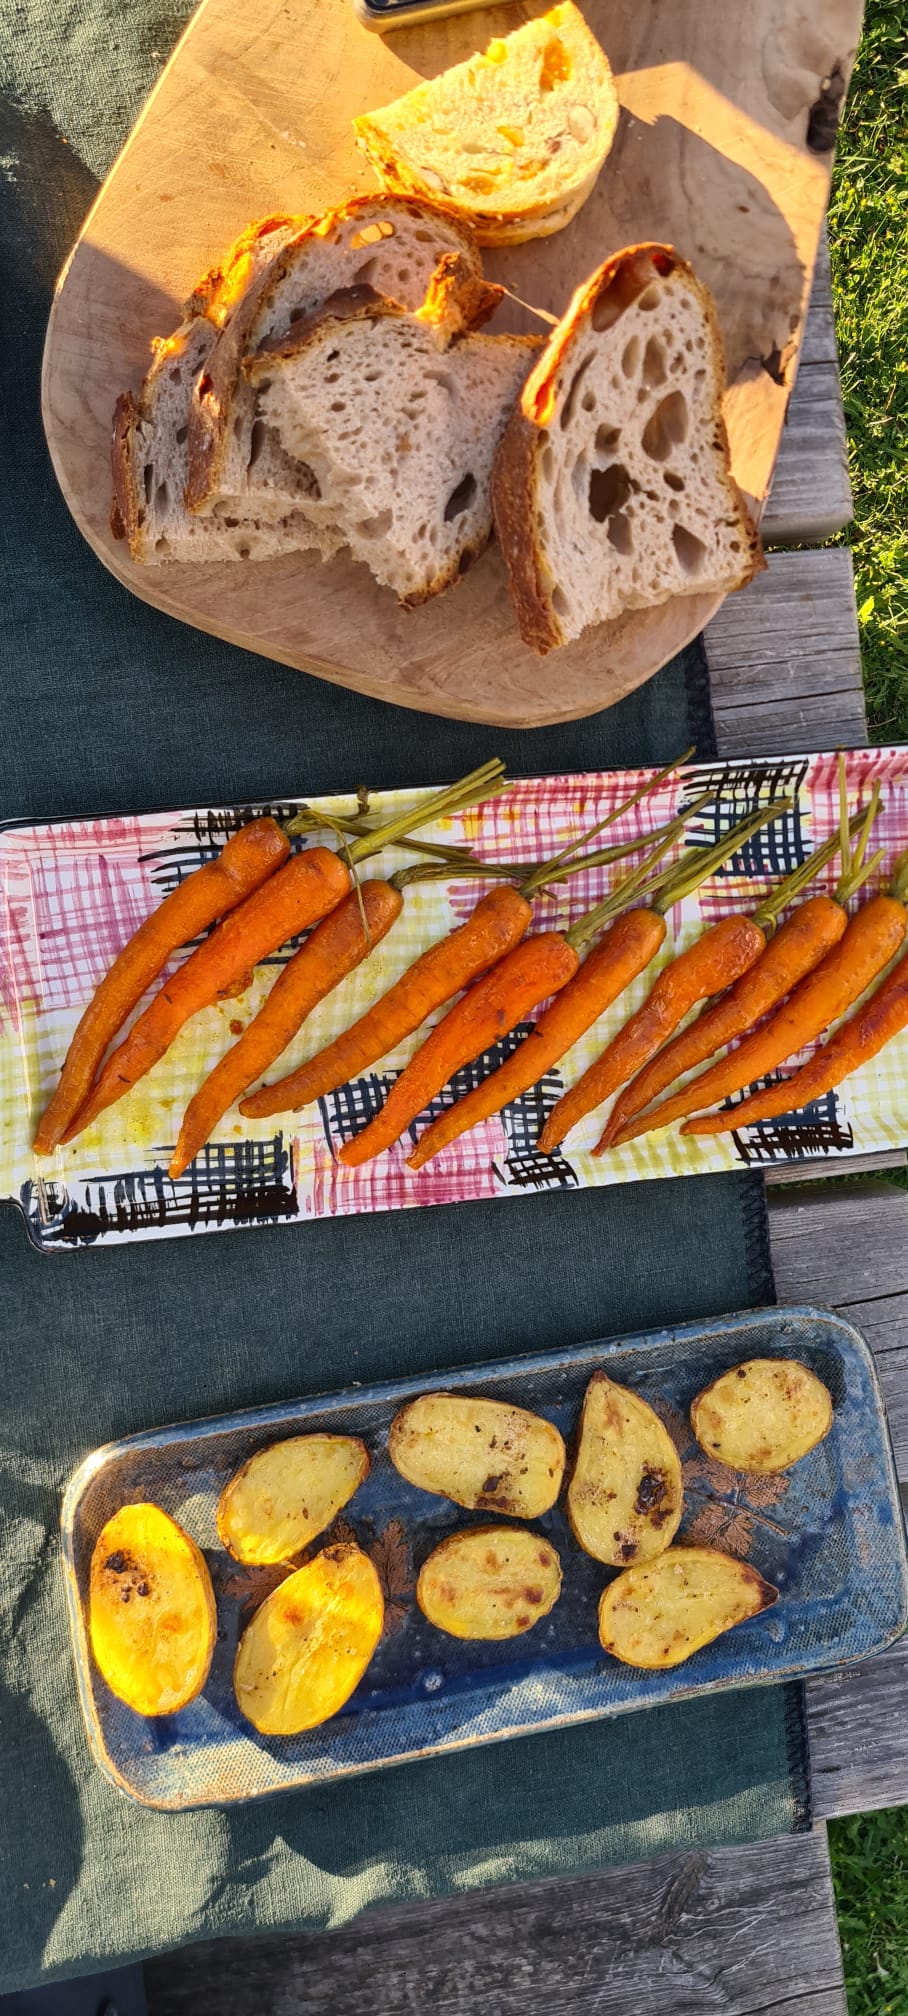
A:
{"x":658,"y":1613}
{"x":490,"y":1582}
{"x":625,"y":1497}
{"x":483,"y":1454}
{"x":309,"y":1643}
{"x":762,"y":1415}
{"x":288,"y":1493}
{"x":151,"y":1611}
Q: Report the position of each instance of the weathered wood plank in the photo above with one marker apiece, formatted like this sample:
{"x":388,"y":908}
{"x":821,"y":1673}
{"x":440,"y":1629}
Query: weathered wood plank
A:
{"x":784,"y":659}
{"x":857,"y":1165}
{"x":848,"y":1248}
{"x":811,"y":492}
{"x":744,"y":1931}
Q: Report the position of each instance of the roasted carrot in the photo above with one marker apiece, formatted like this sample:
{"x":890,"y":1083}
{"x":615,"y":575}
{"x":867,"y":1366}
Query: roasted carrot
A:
{"x":628,"y":946}
{"x":303,"y":892}
{"x":299,"y":894}
{"x":496,"y":926}
{"x":340,"y":942}
{"x":498,"y":1002}
{"x":723,"y":952}
{"x":246,"y":860}
{"x":534,"y":970}
{"x":853,"y":1044}
{"x":794,"y":950}
{"x":497,"y":923}
{"x":871,"y":939}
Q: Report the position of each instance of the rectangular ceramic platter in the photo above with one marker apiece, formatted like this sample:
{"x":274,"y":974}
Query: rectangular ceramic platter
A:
{"x":71,"y":895}
{"x":828,"y":1534}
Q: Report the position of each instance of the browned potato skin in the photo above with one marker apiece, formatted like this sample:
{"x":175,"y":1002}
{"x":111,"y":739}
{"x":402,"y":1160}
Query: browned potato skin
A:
{"x":632,"y":1628}
{"x":489,"y":1582}
{"x":482,"y":1454}
{"x":256,"y":1496}
{"x":308,"y":1645}
{"x":152,"y":1617}
{"x":626,"y":1495}
{"x":762,"y":1415}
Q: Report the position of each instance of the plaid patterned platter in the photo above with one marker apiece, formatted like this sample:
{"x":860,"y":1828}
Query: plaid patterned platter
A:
{"x":72,"y":893}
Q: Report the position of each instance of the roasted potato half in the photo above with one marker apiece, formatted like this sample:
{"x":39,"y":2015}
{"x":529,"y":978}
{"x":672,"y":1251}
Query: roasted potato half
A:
{"x":490,"y":1582}
{"x":484,"y":1454}
{"x":285,"y":1495}
{"x":763,"y":1415}
{"x":309,"y":1643}
{"x":151,"y":1611}
{"x":658,"y":1613}
{"x":625,"y":1496}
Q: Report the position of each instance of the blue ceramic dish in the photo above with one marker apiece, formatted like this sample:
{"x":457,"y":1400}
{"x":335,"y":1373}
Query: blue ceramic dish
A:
{"x":829,"y":1534}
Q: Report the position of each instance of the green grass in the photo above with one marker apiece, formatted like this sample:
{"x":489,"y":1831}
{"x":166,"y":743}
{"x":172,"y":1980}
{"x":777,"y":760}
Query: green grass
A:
{"x":870,"y":1873}
{"x":868,"y":231}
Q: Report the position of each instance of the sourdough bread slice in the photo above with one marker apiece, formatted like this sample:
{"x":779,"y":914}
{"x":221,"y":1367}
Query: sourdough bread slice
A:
{"x":392,"y":243}
{"x":612,"y":487}
{"x":150,"y":433}
{"x":510,"y":138}
{"x":399,"y":415}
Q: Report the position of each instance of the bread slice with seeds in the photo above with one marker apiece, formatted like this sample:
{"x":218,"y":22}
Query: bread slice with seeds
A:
{"x":390,"y":243}
{"x":612,"y":487}
{"x":514,"y":138}
{"x":399,"y":415}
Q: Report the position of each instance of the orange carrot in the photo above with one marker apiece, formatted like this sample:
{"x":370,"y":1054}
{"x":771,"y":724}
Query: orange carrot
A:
{"x":526,"y":976}
{"x":799,"y":945}
{"x":628,"y":946}
{"x":224,"y":966}
{"x":726,"y":950}
{"x":497,"y":924}
{"x":871,"y":939}
{"x":297,"y":896}
{"x":341,"y":942}
{"x":245,"y":861}
{"x":498,"y":1002}
{"x":855,"y":1043}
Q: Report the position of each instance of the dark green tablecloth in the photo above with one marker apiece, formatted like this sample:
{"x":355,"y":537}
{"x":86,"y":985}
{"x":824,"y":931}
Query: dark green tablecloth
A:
{"x":107,"y":705}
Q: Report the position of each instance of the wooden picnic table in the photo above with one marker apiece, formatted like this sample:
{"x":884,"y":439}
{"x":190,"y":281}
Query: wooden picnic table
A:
{"x":738,"y":1930}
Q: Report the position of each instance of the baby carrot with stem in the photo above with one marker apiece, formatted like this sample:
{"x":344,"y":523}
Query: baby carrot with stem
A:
{"x":790,"y":953}
{"x":247,"y":859}
{"x":871,"y":939}
{"x":303,"y":891}
{"x":497,"y":924}
{"x":625,"y":951}
{"x":245,"y":862}
{"x":541,"y":966}
{"x":719,"y":955}
{"x":854,"y":1043}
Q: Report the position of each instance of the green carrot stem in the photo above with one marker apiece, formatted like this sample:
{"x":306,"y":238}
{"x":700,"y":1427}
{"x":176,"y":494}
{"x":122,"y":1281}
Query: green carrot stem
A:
{"x":626,"y":892}
{"x":544,"y":873}
{"x":778,"y":899}
{"x":856,"y":871}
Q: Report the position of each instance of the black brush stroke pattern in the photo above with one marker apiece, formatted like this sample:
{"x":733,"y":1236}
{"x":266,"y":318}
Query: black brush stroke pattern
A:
{"x":246,"y":1183}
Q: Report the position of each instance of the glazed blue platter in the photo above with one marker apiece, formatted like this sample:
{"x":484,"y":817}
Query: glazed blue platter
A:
{"x":828,"y":1533}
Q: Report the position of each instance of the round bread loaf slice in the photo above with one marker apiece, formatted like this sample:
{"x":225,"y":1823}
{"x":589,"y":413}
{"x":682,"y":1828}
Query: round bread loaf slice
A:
{"x":390,"y":243}
{"x":399,"y":417}
{"x":512,"y":137}
{"x":612,"y":487}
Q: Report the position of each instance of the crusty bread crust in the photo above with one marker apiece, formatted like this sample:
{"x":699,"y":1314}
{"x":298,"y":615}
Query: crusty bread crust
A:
{"x":614,"y":287}
{"x":124,"y":514}
{"x":210,"y":413}
{"x":219,"y":289}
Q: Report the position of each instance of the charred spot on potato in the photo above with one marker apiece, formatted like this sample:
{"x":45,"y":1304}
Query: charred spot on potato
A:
{"x":118,"y":1563}
{"x":654,"y":1495}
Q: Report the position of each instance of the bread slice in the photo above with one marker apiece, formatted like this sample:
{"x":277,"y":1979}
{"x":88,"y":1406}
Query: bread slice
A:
{"x":150,"y":433}
{"x":509,"y":138}
{"x":394,"y":244}
{"x":612,"y":487}
{"x":399,"y":415}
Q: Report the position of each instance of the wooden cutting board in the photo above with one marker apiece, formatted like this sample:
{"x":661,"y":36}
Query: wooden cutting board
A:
{"x":724,"y":148}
